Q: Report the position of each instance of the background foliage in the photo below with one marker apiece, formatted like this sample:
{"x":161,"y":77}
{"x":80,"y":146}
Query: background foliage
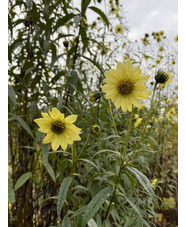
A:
{"x":57,"y":57}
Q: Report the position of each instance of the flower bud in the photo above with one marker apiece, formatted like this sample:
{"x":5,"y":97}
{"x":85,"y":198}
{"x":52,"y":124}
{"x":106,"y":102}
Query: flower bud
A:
{"x":95,"y":129}
{"x":65,"y":43}
{"x":94,"y":96}
{"x":161,"y":77}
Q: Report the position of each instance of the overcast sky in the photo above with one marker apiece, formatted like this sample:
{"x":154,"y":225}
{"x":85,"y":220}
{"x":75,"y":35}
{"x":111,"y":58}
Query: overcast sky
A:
{"x":146,"y":16}
{"x":151,"y":15}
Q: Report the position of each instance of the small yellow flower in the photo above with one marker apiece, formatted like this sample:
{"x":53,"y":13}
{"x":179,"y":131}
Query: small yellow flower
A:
{"x":161,"y":32}
{"x":114,"y":10}
{"x":168,"y":101}
{"x":158,"y":61}
{"x":158,"y":39}
{"x":160,"y":56}
{"x":136,"y":115}
{"x":160,"y":118}
{"x":155,"y":181}
{"x":125,"y":85}
{"x":125,"y":57}
{"x":60,"y":130}
{"x":137,"y":122}
{"x":176,"y":39}
{"x":145,"y":41}
{"x":175,"y":171}
{"x":161,"y":49}
{"x":118,"y":29}
{"x":173,"y":62}
{"x":169,"y":203}
{"x":9,"y":206}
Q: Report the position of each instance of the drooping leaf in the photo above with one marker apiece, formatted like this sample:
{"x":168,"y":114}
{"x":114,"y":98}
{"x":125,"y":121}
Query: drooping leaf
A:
{"x":94,"y":63}
{"x":122,"y":193}
{"x":66,"y":222}
{"x":44,"y":151}
{"x":55,"y":59}
{"x":22,"y":180}
{"x":12,"y":94}
{"x":23,"y":124}
{"x":89,"y":162}
{"x":73,"y":81}
{"x":95,"y":204}
{"x":11,"y":193}
{"x":63,"y":190}
{"x":101,"y":13}
{"x":79,"y":211}
{"x":62,"y":21}
{"x":84,"y":37}
{"x":144,"y":181}
{"x":92,"y":223}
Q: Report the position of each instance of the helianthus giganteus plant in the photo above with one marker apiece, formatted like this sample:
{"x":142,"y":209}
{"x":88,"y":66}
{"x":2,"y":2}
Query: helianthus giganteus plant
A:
{"x":88,"y":142}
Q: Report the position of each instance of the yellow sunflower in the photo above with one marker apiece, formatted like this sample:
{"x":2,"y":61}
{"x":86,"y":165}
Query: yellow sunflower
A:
{"x":125,"y":85}
{"x":60,"y":130}
{"x":118,"y":29}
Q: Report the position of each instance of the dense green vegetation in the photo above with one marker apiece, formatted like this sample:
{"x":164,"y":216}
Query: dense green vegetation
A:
{"x":123,"y":171}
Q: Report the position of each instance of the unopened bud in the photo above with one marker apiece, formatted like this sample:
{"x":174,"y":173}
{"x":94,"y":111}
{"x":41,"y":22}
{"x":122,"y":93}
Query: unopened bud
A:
{"x":161,"y":77}
{"x":94,"y":96}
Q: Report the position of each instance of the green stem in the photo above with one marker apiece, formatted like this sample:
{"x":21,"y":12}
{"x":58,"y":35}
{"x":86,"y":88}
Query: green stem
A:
{"x":128,"y":133}
{"x":144,"y":129}
{"x":72,"y":173}
{"x":116,"y":131}
{"x":122,"y":156}
{"x":83,"y":147}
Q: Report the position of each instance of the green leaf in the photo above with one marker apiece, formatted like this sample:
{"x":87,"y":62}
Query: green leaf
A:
{"x":89,"y":162}
{"x":12,"y":94}
{"x":22,"y":180}
{"x":23,"y":124}
{"x":84,"y":38}
{"x":56,"y":59}
{"x":62,"y":21}
{"x":73,"y":81}
{"x":11,"y":193}
{"x":44,"y":152}
{"x":108,"y":152}
{"x":131,"y":180}
{"x":66,"y":222}
{"x":62,"y":194}
{"x":101,"y":13}
{"x":94,"y":63}
{"x":144,"y":181}
{"x":79,"y":211}
{"x":84,"y":5}
{"x":58,"y":76}
{"x":95,"y":204}
{"x":92,"y":223}
{"x":132,"y":205}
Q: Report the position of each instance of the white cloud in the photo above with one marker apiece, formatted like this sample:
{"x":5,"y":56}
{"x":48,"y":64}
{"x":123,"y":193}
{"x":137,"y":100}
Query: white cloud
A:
{"x":152,"y":15}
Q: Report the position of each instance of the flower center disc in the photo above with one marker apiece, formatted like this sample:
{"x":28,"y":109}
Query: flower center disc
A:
{"x":125,"y":87}
{"x":58,"y":127}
